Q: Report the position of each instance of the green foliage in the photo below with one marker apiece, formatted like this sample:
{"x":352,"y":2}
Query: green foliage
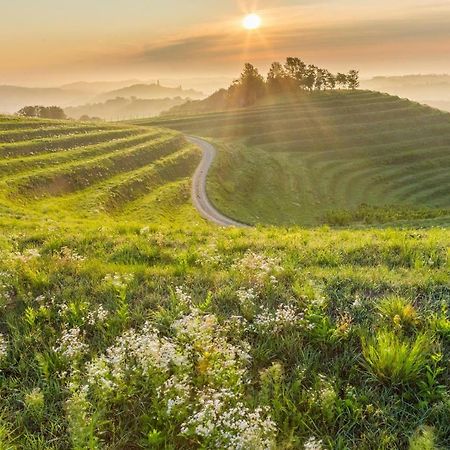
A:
{"x":423,"y":439}
{"x":399,"y":311}
{"x":395,"y":359}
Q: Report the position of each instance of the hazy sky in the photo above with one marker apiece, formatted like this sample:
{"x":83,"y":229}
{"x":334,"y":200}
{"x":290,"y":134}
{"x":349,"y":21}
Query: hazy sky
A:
{"x":55,"y":41}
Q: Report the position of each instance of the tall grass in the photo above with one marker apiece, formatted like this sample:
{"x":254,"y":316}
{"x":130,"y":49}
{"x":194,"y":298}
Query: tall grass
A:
{"x":395,"y":359}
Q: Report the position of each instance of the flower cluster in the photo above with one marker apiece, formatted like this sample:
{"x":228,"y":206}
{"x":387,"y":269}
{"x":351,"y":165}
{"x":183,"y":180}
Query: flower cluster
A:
{"x":27,"y":255}
{"x":119,"y":281}
{"x":97,"y":316}
{"x":313,"y":444}
{"x":183,"y":297}
{"x":285,"y":316}
{"x":209,"y":256}
{"x":67,"y":254}
{"x":70,"y":344}
{"x":225,"y":422}
{"x":259,"y":268}
{"x":3,"y":347}
{"x":198,"y":377}
{"x":246,"y":297}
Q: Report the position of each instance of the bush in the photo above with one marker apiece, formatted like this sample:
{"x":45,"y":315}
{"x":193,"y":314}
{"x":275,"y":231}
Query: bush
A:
{"x":394,"y":359}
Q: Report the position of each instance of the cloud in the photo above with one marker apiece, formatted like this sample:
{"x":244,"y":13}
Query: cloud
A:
{"x":412,"y":34}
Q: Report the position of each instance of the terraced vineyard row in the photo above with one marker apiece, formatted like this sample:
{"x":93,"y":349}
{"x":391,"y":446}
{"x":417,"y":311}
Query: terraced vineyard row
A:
{"x":88,"y":168}
{"x":335,"y":151}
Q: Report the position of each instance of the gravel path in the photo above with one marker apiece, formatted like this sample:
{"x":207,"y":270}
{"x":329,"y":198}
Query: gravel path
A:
{"x":199,"y":196}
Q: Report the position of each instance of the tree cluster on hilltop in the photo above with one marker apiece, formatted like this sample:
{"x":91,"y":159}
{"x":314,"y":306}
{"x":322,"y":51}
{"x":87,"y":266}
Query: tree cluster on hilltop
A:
{"x":42,"y":112}
{"x":282,"y":80}
{"x":294,"y":75}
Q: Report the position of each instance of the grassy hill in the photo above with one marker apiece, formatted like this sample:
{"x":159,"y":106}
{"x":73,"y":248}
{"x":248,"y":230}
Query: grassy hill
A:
{"x":127,"y":322}
{"x":324,"y":157}
{"x":87,"y":169}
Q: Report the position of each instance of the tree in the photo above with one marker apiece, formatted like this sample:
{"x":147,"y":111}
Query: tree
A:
{"x":29,"y":111}
{"x":52,"y":112}
{"x":353,"y":79}
{"x":320,"y":79}
{"x":43,"y":112}
{"x":310,"y":77}
{"x":296,"y":70}
{"x":330,"y":80}
{"x":341,"y":80}
{"x":277,"y":78}
{"x":249,"y":88}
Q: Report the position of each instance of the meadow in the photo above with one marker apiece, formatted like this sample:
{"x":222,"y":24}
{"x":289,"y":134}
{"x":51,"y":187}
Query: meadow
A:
{"x":347,"y":158}
{"x":128,"y":322}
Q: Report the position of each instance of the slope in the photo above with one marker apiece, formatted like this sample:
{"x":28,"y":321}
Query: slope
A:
{"x":331,"y":157}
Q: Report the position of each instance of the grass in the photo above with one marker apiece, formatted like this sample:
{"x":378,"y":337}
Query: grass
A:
{"x":128,"y":322}
{"x":346,"y":158}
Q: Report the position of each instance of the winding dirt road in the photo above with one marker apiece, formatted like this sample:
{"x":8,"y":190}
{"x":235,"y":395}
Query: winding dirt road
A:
{"x":199,"y":196}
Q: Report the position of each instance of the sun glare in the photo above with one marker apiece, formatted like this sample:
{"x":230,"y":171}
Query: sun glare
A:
{"x":251,"y":22}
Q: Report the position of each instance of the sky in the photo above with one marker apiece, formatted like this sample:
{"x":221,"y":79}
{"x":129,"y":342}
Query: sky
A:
{"x":59,"y":41}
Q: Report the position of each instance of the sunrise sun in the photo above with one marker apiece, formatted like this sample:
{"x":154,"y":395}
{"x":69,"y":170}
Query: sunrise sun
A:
{"x":251,"y":22}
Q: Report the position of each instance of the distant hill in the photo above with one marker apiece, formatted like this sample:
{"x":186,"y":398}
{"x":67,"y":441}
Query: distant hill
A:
{"x":150,"y":91}
{"x":124,"y":108}
{"x":428,"y":89}
{"x":12,"y":98}
{"x":97,"y":87}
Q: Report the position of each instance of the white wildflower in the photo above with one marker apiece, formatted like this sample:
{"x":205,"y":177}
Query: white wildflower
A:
{"x":228,"y":423}
{"x":119,"y":281}
{"x":70,"y":343}
{"x":357,"y":303}
{"x":182,"y":296}
{"x":209,"y":256}
{"x":246,"y":296}
{"x":144,"y":230}
{"x":283,"y":317}
{"x":27,"y":255}
{"x":67,"y":254}
{"x":258,"y":267}
{"x":313,"y":444}
{"x":176,"y":392}
{"x":97,"y":316}
{"x":3,"y":347}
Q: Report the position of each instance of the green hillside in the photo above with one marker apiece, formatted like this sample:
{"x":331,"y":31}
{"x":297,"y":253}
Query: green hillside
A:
{"x":127,"y":322}
{"x":89,"y":170}
{"x":341,"y":158}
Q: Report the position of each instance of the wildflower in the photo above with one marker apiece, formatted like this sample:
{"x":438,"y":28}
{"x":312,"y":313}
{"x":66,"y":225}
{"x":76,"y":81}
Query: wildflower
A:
{"x":67,"y":254}
{"x":226,"y":422}
{"x":357,"y":303}
{"x":97,"y":316}
{"x":176,"y":392}
{"x":209,"y":256}
{"x":313,"y":444}
{"x":184,"y":298}
{"x":119,"y":281}
{"x":3,"y":347}
{"x":27,"y":255}
{"x":246,"y":295}
{"x":70,"y":343}
{"x":283,"y":317}
{"x":258,"y":267}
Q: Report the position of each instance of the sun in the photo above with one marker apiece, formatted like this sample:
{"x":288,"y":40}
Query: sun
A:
{"x":251,"y":22}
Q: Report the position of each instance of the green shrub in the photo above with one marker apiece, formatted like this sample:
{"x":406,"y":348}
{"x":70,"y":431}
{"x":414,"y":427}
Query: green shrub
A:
{"x":394,"y":359}
{"x":423,"y":439}
{"x":399,"y":311}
